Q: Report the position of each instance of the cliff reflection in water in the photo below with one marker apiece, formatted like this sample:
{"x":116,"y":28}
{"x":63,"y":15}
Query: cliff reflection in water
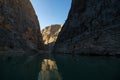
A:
{"x":49,"y":70}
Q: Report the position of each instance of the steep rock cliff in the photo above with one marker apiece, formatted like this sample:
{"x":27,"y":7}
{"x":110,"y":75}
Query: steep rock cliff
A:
{"x":50,"y":34}
{"x":19,"y":27}
{"x":92,"y":27}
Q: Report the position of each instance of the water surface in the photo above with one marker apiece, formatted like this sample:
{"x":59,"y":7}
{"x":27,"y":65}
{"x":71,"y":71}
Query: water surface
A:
{"x":88,"y":67}
{"x":59,"y":67}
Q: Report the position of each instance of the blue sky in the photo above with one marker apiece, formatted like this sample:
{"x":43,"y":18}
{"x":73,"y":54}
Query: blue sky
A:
{"x":51,"y":11}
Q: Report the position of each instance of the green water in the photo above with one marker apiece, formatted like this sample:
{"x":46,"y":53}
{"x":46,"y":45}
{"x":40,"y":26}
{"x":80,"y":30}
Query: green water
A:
{"x":68,"y":67}
{"x":59,"y":67}
{"x":88,"y":68}
{"x":19,"y":67}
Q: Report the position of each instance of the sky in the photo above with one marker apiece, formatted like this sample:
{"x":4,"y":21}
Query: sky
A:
{"x":51,"y":11}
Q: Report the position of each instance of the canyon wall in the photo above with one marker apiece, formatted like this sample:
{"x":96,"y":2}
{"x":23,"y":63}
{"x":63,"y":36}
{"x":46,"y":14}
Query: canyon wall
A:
{"x":50,"y":34}
{"x":19,"y":26}
{"x":92,"y":27}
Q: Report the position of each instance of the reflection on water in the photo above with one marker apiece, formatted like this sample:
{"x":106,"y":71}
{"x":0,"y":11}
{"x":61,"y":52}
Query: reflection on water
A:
{"x":49,"y":70}
{"x":70,"y":67}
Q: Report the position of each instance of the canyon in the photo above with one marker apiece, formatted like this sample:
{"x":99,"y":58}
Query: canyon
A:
{"x":92,"y":28}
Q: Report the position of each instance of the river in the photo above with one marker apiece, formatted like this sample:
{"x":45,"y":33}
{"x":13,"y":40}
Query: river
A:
{"x":88,"y":67}
{"x":59,"y":67}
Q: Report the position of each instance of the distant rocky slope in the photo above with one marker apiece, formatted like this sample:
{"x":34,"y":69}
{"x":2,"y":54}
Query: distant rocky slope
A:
{"x":92,"y":27}
{"x":19,"y":27}
{"x":50,"y":34}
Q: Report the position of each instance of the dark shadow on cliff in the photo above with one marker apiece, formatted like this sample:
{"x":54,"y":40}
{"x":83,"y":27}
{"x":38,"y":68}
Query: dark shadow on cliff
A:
{"x":92,"y":28}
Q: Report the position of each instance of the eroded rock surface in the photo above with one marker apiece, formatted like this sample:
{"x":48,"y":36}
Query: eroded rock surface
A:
{"x":92,"y":27}
{"x":19,"y":27}
{"x":50,"y":34}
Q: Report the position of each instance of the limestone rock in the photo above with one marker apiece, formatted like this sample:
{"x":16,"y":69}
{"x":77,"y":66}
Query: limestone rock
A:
{"x":50,"y":34}
{"x":19,"y":27}
{"x":92,"y":27}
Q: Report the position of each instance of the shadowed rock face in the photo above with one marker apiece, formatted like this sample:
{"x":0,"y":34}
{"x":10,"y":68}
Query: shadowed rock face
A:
{"x":92,"y":27}
{"x":19,"y":27}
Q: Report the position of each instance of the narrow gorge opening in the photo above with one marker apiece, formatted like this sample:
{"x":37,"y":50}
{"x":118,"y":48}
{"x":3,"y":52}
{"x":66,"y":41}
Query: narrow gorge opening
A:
{"x":87,"y":48}
{"x":52,"y":15}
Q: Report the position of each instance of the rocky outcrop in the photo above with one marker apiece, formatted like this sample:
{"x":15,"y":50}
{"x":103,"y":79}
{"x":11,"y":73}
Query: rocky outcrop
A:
{"x":19,"y":27}
{"x":50,"y":34}
{"x":92,"y":27}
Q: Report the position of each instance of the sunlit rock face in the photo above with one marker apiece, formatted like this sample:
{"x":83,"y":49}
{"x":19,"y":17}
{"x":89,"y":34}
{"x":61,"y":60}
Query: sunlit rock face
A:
{"x":92,"y":27}
{"x":50,"y":34}
{"x":49,"y":70}
{"x":19,"y":27}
